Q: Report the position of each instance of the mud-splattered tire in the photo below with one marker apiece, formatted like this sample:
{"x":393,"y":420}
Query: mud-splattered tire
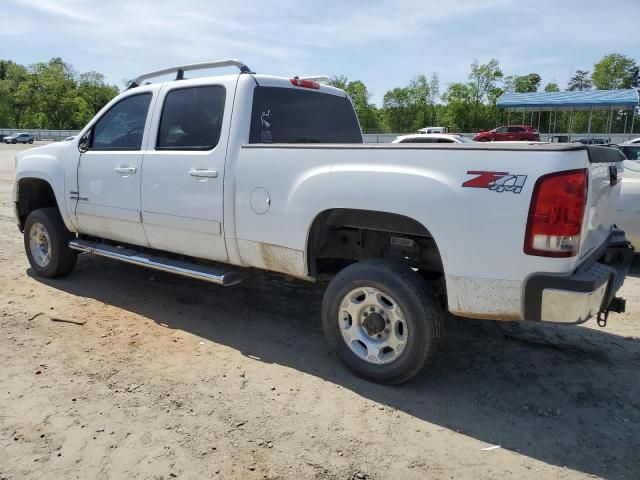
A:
{"x":383,"y":320}
{"x":46,"y":241}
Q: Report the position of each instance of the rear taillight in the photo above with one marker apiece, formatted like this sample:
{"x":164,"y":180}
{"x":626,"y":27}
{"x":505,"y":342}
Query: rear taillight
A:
{"x":556,"y":213}
{"x":299,"y":82}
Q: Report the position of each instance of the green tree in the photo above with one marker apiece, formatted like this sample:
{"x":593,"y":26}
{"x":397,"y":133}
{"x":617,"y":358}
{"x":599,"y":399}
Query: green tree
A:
{"x":93,"y":88}
{"x":527,"y":83}
{"x":16,"y":92}
{"x":551,"y":87}
{"x":421,"y":108}
{"x":580,"y":81}
{"x":397,"y":111}
{"x":615,"y":71}
{"x":508,"y":84}
{"x":410,"y":108}
{"x":55,"y":92}
{"x":360,"y":96}
{"x":458,"y":100}
{"x":339,"y":81}
{"x":482,"y":85}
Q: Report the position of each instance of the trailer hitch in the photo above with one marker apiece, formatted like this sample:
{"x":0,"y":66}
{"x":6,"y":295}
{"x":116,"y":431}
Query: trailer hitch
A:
{"x":617,"y":305}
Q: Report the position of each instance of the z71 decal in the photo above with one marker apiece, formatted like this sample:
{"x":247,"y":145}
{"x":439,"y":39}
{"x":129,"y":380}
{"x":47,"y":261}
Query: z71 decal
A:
{"x":496,"y":181}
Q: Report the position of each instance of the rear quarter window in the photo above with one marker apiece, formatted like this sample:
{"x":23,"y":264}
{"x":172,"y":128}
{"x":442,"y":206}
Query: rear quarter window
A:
{"x":288,"y":115}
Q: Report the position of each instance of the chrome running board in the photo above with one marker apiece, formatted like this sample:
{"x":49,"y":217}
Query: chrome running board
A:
{"x":179,"y":267}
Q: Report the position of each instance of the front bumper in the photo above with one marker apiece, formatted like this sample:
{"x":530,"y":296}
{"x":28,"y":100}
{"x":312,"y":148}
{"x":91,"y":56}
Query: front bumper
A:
{"x":590,"y":290}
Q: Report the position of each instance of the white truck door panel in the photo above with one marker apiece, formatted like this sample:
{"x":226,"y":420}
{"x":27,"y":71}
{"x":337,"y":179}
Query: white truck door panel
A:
{"x":183,"y":172}
{"x":108,"y":203}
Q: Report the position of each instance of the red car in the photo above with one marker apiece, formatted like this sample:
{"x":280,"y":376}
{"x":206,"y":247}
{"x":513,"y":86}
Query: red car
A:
{"x":509,"y":133}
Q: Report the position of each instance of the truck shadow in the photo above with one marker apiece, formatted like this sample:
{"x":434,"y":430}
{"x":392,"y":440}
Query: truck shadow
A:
{"x":566,"y":396}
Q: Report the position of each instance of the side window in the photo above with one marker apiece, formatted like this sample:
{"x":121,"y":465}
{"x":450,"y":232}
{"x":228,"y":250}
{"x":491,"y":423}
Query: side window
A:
{"x":502,"y":130}
{"x":445,"y":140}
{"x":191,"y":118}
{"x":122,"y":127}
{"x":420,"y":140}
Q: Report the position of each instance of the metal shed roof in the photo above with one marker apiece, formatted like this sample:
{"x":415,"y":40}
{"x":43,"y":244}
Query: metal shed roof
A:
{"x":550,"y":101}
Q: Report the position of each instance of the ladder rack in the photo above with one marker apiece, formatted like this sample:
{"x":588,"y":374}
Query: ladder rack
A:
{"x":179,"y":70}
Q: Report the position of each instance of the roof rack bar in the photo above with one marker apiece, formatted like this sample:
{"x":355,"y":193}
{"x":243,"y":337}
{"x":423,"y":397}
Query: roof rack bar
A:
{"x":179,"y":70}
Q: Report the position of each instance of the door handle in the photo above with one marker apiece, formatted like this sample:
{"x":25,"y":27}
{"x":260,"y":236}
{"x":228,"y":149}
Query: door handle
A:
{"x":126,"y":170}
{"x":203,"y":173}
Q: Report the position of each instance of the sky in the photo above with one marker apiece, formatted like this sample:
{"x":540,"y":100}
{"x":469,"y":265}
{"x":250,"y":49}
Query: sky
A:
{"x":383,"y":43}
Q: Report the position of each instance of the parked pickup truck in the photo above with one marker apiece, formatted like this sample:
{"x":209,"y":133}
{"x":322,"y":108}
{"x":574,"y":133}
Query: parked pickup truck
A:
{"x":215,"y":177}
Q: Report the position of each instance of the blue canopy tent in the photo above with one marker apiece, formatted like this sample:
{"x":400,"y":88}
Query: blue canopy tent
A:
{"x":590,"y":100}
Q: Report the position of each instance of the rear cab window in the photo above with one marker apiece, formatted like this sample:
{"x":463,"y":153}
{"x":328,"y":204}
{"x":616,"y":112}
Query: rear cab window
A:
{"x":289,"y":115}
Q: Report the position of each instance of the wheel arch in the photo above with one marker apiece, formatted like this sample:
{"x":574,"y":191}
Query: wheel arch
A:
{"x":388,"y":223}
{"x":31,"y":193}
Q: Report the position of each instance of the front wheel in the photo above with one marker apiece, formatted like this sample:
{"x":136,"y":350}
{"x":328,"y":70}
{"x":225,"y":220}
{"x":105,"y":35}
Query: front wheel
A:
{"x":31,"y":141}
{"x":46,"y":241}
{"x":383,"y":320}
{"x":14,"y":141}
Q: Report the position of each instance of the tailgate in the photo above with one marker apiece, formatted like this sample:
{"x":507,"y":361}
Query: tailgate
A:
{"x":605,"y":171}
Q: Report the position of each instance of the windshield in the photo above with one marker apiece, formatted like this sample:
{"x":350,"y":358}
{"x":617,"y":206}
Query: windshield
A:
{"x":464,"y":139}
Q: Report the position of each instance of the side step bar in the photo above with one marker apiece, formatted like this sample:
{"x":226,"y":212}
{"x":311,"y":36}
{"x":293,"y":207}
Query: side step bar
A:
{"x":186,"y":269}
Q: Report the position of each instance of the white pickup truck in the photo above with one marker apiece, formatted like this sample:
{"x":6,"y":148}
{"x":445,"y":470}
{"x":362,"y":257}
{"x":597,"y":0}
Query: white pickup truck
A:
{"x":213,"y":177}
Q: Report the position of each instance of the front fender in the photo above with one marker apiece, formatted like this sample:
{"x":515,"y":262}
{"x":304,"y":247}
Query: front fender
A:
{"x":45,"y":163}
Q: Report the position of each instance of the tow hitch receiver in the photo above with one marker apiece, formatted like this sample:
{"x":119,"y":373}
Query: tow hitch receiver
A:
{"x":617,"y":305}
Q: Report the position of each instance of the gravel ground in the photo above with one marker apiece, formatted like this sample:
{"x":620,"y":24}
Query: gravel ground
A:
{"x":154,"y":376}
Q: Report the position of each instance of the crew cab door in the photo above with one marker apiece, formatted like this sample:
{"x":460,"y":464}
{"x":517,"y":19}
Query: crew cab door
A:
{"x":108,"y":196}
{"x":183,"y":172}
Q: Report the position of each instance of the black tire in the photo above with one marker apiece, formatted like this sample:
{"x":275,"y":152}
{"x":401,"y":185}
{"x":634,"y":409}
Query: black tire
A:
{"x":63,"y":259}
{"x":422,"y":313}
{"x":14,"y":141}
{"x":31,"y":141}
{"x":484,"y":140}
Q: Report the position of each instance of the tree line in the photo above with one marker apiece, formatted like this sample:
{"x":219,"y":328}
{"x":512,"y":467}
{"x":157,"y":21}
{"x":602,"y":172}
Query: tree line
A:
{"x":53,"y":95}
{"x":470,"y":106}
{"x":50,"y":95}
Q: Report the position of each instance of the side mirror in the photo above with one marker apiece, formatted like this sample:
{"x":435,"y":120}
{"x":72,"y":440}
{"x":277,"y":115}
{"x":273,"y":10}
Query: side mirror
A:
{"x":85,"y":142}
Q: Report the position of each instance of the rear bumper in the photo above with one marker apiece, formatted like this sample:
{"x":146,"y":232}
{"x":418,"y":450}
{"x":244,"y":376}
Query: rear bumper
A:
{"x":589,"y":290}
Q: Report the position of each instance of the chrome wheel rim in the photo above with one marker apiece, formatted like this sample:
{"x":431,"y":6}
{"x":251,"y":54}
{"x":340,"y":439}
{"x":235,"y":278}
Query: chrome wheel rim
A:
{"x":372,"y":325}
{"x":40,"y":244}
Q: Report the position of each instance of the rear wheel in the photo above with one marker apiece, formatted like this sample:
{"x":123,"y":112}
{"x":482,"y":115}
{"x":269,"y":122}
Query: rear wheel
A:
{"x":383,"y":320}
{"x":46,"y":241}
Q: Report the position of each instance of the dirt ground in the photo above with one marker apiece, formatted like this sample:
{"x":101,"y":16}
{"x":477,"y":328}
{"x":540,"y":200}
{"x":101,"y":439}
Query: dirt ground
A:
{"x":164,"y":377}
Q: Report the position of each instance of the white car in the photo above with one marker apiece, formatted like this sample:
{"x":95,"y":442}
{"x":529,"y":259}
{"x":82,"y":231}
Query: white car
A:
{"x":433,"y":130}
{"x":628,"y":211}
{"x":216,"y":177}
{"x":633,"y":140}
{"x":432,"y":138}
{"x":630,"y":150}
